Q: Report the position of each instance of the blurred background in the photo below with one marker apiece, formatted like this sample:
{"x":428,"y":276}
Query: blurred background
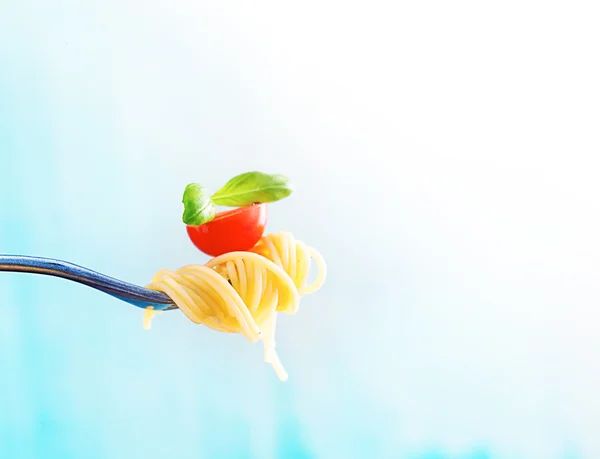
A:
{"x":445,"y":162}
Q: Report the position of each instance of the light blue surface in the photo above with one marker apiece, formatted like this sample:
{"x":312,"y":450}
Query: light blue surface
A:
{"x":445,"y":163}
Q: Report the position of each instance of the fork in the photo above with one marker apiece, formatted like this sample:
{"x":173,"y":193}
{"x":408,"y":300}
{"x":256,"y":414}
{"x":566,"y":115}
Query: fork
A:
{"x":130,"y":293}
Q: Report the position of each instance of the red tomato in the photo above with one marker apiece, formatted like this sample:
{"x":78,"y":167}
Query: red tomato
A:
{"x":235,"y":230}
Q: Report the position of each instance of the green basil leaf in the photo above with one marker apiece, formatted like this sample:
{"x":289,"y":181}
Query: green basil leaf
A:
{"x":251,"y":187}
{"x":198,"y":207}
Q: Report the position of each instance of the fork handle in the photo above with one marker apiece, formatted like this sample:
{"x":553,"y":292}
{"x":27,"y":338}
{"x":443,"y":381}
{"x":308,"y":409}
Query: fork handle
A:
{"x":130,"y":293}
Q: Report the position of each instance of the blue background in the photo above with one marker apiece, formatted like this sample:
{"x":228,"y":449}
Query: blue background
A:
{"x":445,"y":159}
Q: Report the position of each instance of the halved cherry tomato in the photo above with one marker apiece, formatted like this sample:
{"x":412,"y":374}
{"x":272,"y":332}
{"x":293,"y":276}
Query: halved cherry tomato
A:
{"x":235,"y":230}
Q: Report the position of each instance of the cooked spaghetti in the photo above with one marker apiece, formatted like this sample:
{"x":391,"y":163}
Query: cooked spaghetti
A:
{"x":294,"y":257}
{"x":241,"y":292}
{"x":149,"y":314}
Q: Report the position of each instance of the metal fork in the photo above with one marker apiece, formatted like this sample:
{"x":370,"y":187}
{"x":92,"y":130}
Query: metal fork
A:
{"x":130,"y":293}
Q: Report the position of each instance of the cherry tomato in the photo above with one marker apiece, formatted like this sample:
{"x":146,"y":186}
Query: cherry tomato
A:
{"x":235,"y":230}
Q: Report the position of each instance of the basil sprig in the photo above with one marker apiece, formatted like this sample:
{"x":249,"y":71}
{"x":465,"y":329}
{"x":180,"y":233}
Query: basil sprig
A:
{"x":242,"y":190}
{"x":198,"y":208}
{"x":251,"y":187}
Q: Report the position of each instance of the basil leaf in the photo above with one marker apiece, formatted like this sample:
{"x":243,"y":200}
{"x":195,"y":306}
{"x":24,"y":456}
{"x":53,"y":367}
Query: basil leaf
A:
{"x":251,"y":187}
{"x":198,"y":207}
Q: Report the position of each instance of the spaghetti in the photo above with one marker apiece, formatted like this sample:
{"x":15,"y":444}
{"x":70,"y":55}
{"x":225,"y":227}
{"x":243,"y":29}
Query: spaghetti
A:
{"x":241,"y":292}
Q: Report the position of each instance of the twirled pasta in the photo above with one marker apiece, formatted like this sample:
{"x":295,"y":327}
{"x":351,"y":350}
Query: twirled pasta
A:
{"x":294,"y":257}
{"x":241,"y":292}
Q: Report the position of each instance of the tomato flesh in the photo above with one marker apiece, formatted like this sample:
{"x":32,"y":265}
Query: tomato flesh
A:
{"x":234,"y":230}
